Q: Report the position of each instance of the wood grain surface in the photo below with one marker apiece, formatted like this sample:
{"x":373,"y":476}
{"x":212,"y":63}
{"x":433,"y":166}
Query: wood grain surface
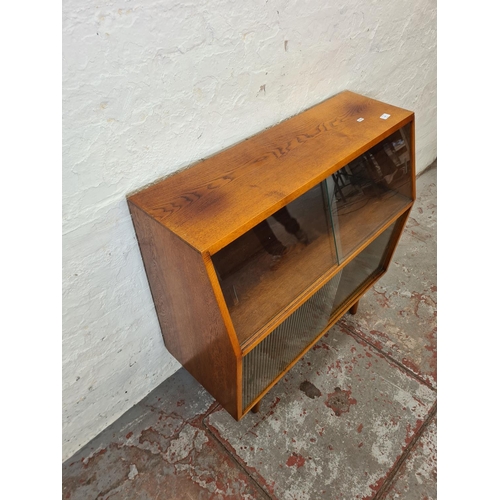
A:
{"x":182,"y":222}
{"x":216,"y":200}
{"x":190,"y":319}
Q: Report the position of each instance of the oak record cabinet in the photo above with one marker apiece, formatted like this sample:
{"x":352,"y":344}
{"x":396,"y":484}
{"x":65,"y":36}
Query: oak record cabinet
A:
{"x":254,"y":253}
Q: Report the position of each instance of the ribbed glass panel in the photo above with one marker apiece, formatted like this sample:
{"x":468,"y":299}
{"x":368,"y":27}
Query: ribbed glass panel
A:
{"x":273,"y":355}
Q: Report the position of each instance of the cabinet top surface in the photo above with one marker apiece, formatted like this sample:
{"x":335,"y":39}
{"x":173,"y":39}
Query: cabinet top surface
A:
{"x":218,"y":199}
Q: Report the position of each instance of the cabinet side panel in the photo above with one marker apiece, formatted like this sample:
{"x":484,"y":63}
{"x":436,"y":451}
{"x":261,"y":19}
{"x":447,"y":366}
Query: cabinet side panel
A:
{"x":191,"y":322}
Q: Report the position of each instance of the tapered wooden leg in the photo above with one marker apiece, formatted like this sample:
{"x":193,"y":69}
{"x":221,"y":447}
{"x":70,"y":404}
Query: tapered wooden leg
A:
{"x":354,"y":308}
{"x":256,"y":407}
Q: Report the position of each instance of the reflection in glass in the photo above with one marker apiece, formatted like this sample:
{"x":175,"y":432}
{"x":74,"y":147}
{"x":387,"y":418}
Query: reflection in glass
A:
{"x":370,"y":190}
{"x":268,"y":239}
{"x":363,"y":268}
{"x":267,"y":268}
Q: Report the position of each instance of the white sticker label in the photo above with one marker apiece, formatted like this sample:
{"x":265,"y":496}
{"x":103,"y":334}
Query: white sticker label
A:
{"x":360,"y":119}
{"x":384,"y":116}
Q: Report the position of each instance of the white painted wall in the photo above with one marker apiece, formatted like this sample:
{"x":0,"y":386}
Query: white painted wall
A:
{"x":152,"y":86}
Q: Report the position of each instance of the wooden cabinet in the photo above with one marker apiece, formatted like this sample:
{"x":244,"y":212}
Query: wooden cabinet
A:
{"x":254,"y":253}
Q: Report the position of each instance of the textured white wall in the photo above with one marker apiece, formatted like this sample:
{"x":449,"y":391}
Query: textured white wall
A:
{"x":150,"y":87}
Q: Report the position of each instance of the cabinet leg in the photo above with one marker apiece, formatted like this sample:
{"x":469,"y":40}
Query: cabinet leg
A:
{"x":354,"y":308}
{"x":256,"y":407}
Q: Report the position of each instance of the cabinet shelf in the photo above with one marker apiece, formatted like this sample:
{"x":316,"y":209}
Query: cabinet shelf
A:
{"x":252,"y":254}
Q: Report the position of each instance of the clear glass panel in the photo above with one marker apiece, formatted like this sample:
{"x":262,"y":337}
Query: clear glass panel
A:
{"x":363,"y":268}
{"x":272,"y":264}
{"x":268,"y":267}
{"x":368,"y":191}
